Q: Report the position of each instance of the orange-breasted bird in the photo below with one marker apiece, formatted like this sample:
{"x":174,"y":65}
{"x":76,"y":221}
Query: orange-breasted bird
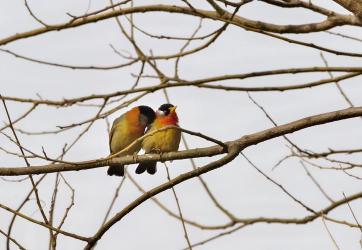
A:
{"x":163,"y":141}
{"x":126,"y":129}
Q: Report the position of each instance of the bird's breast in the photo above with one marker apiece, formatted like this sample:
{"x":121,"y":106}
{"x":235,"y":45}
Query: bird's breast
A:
{"x":162,"y":141}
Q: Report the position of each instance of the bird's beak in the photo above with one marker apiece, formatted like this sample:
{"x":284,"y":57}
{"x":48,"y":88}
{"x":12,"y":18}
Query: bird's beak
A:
{"x":173,"y":109}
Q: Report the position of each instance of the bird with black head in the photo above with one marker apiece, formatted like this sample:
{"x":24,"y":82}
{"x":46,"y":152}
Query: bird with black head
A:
{"x":125,"y":130}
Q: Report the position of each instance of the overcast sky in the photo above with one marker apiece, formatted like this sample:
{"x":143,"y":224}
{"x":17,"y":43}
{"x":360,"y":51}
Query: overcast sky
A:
{"x":219,"y":114}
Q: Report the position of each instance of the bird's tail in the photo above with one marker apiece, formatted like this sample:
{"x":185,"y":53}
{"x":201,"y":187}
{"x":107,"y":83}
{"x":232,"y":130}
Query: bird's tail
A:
{"x":150,"y":166}
{"x":116,"y":170}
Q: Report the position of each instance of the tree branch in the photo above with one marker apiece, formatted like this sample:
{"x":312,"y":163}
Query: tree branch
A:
{"x":330,"y":22}
{"x":354,"y":6}
{"x":242,"y":142}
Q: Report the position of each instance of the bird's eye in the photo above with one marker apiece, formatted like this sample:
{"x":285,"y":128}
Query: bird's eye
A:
{"x":161,"y":113}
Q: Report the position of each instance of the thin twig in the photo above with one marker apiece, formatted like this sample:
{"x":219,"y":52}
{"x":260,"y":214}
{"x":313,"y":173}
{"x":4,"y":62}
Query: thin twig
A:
{"x":179,"y":210}
{"x":28,"y":165}
{"x":115,"y":196}
{"x":330,"y":234}
{"x":316,"y":182}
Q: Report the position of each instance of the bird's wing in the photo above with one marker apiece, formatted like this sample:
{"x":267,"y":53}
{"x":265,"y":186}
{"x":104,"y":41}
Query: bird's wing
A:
{"x":116,"y":121}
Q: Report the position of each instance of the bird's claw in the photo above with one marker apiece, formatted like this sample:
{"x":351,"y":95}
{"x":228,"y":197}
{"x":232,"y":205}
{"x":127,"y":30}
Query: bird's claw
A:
{"x":159,"y":152}
{"x":135,"y":157}
{"x":161,"y":156}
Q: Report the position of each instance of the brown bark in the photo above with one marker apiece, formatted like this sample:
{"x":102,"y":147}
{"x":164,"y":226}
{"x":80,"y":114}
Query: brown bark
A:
{"x":354,"y":6}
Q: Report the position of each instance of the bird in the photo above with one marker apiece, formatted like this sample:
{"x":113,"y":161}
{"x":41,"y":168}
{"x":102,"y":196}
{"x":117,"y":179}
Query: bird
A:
{"x":126,"y":129}
{"x":163,"y":141}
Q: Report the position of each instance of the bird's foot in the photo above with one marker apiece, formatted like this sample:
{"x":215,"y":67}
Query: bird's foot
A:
{"x":135,"y":157}
{"x":161,"y":157}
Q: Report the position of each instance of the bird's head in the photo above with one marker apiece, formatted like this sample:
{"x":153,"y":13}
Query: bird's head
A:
{"x":167,"y":113}
{"x":166,"y":109}
{"x":147,"y":115}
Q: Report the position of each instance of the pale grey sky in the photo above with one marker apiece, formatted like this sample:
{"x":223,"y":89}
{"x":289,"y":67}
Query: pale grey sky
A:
{"x":219,"y":114}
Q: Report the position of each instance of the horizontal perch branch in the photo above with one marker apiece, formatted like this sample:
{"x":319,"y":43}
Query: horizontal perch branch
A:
{"x":242,"y":143}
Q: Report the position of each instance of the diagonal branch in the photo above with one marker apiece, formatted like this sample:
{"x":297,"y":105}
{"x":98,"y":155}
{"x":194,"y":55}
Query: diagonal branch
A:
{"x":233,"y":152}
{"x":354,"y":6}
